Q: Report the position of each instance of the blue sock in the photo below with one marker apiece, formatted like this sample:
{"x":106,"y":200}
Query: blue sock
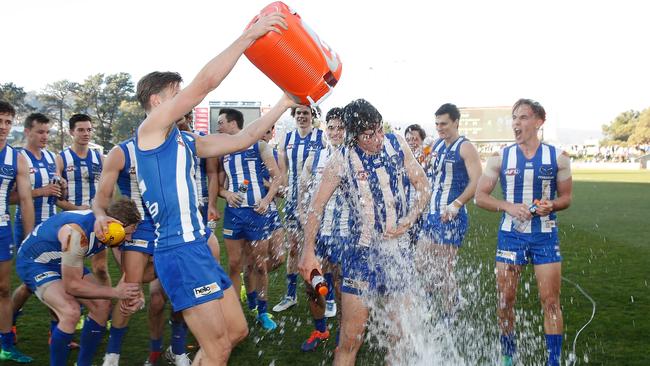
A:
{"x":115,"y":336}
{"x":7,"y":340}
{"x":91,"y":336}
{"x":554,"y":348}
{"x":330,"y":286}
{"x":155,"y":345}
{"x":292,"y":278}
{"x":179,"y":333}
{"x":261,"y":306}
{"x":321,"y":325}
{"x":59,"y":350}
{"x":508,"y":344}
{"x":251,"y":298}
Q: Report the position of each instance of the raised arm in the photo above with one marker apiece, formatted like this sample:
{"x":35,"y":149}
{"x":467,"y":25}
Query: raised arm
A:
{"x":221,"y":144}
{"x":153,"y":130}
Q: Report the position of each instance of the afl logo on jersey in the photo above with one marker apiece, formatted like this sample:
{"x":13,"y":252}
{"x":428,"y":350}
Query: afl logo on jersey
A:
{"x":32,"y":170}
{"x":132,"y":170}
{"x":511,"y":171}
{"x":70,"y":168}
{"x":361,"y":175}
{"x":289,"y":146}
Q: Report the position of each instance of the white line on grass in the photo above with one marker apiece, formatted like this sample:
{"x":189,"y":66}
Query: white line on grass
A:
{"x":572,"y":356}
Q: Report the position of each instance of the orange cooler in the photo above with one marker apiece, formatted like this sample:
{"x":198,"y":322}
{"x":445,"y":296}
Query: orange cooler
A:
{"x":297,"y":60}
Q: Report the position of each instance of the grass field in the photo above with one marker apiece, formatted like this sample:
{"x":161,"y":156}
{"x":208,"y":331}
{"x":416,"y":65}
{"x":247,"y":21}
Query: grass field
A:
{"x":606,"y":249}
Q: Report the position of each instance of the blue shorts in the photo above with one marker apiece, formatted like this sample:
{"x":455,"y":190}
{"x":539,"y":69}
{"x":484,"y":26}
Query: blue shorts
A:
{"x":449,"y":233}
{"x":35,"y":275}
{"x":6,"y":243}
{"x":189,"y":274}
{"x":274,"y":220}
{"x":520,"y":248}
{"x":245,"y":223}
{"x":377,"y":270}
{"x":143,"y":241}
{"x":331,"y":247}
{"x":18,"y":233}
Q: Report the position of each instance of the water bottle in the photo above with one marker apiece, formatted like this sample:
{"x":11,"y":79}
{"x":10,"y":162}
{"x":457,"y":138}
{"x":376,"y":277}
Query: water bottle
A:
{"x":52,"y":199}
{"x":318,"y":282}
{"x":212,"y":222}
{"x":243,"y":189}
{"x":522,"y":225}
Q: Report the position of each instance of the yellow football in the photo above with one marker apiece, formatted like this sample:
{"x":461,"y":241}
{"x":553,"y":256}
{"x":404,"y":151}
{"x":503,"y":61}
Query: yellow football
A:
{"x":114,"y":235}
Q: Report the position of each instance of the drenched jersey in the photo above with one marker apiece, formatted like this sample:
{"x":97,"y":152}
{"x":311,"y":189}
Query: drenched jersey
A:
{"x":127,"y":182}
{"x":8,"y":173}
{"x":166,"y":181}
{"x":380,"y":188}
{"x":525,"y":180}
{"x":246,"y":165}
{"x":43,"y":245}
{"x":337,"y":220}
{"x":447,"y":175}
{"x":41,"y":171}
{"x":297,"y":150}
{"x":82,"y":175}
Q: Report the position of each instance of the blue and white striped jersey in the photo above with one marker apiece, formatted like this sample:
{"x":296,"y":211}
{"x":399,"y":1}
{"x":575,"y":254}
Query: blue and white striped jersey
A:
{"x":247,"y":165}
{"x":82,"y":175}
{"x":447,"y":175}
{"x":525,"y":180}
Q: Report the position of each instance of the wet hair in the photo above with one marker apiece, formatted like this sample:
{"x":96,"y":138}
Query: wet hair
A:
{"x":233,"y":115}
{"x":537,"y":108}
{"x":7,"y":108}
{"x":334,"y":113}
{"x":124,"y":210}
{"x":35,"y":117}
{"x":358,"y":116}
{"x":416,"y":128}
{"x":154,"y":83}
{"x":315,"y":111}
{"x":78,"y":118}
{"x":449,"y":109}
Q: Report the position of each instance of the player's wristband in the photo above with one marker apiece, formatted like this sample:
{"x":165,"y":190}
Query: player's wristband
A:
{"x":460,"y":204}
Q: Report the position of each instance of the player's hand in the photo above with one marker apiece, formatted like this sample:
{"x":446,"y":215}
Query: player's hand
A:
{"x":52,"y":189}
{"x":234,"y":200}
{"x":450,"y":212}
{"x":273,"y":22}
{"x":125,"y":290}
{"x":544,"y":207}
{"x":101,"y":225}
{"x":519,"y":211}
{"x":130,"y":306}
{"x":262,"y":206}
{"x":308,"y":263}
{"x":213,"y":214}
{"x":402,"y":227}
{"x":288,"y":101}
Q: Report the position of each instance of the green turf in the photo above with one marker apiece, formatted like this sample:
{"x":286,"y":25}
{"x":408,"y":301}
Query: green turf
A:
{"x":606,"y":250}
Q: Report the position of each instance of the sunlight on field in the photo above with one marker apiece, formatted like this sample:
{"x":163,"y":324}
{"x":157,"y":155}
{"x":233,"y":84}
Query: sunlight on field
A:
{"x":629,"y":176}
